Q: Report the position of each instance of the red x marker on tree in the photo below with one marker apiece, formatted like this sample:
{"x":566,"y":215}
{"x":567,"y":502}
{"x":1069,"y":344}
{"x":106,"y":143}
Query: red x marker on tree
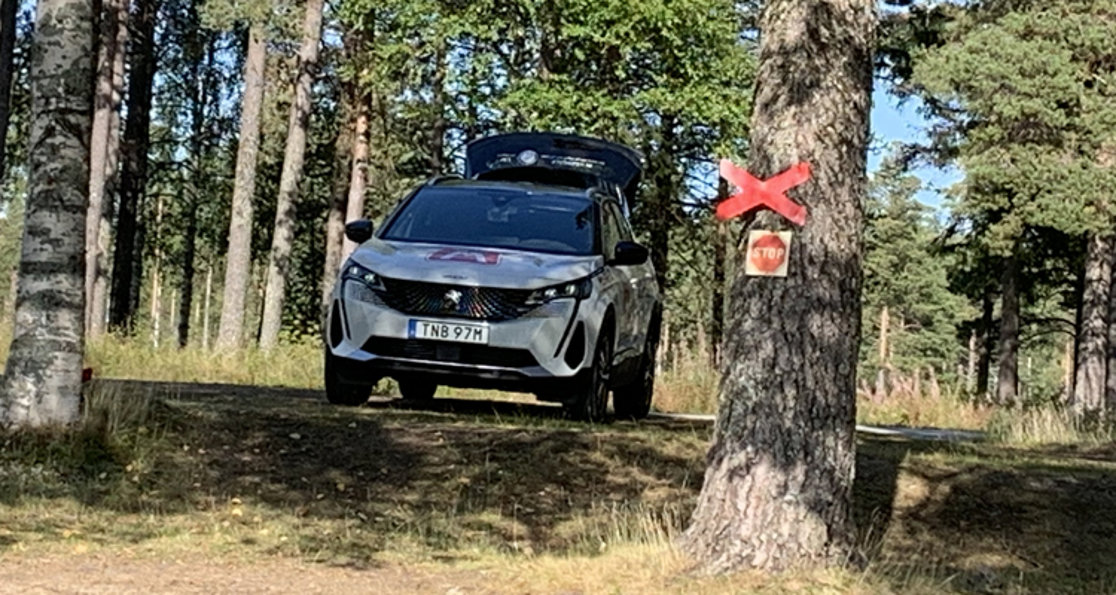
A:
{"x":770,"y":193}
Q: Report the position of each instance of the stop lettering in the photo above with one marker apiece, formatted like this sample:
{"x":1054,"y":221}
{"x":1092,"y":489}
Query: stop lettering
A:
{"x":768,"y":253}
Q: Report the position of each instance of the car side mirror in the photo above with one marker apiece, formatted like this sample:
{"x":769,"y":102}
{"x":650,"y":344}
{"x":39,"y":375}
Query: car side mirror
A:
{"x":359,"y":231}
{"x":630,"y":254}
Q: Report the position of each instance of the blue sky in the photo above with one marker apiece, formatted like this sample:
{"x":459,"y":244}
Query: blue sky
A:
{"x":892,"y":122}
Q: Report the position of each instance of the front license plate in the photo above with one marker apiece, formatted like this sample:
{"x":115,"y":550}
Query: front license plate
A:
{"x":448,"y":331}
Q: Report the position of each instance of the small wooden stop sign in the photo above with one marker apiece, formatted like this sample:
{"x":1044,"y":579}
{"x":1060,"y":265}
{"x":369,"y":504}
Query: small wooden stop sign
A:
{"x":767,"y":253}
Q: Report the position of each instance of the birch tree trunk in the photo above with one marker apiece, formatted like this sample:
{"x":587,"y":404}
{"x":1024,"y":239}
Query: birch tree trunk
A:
{"x":778,"y":483}
{"x":104,"y":156}
{"x":238,"y":259}
{"x":1092,"y":352}
{"x":42,"y":383}
{"x":128,"y":253}
{"x":279,"y":263}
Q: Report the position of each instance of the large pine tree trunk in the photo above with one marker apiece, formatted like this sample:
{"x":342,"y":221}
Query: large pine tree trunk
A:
{"x":42,"y":384}
{"x":238,"y":258}
{"x":778,"y":484}
{"x":8,"y":10}
{"x":128,"y":253}
{"x":103,"y":158}
{"x":1007,"y":378}
{"x":358,"y":180}
{"x":1092,"y":352}
{"x":279,"y":263}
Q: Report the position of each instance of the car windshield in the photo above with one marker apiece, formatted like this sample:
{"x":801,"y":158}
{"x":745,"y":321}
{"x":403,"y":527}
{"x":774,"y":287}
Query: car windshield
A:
{"x":510,"y":218}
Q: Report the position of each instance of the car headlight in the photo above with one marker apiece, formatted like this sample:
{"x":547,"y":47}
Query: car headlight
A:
{"x":358,"y":273}
{"x":580,"y":289}
{"x":360,"y":283}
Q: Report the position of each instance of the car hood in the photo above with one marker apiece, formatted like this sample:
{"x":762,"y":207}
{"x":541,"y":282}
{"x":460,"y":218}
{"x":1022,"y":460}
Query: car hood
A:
{"x":472,"y":266}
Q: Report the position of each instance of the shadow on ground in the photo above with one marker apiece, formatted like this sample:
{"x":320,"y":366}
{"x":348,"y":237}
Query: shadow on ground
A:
{"x":460,"y":475}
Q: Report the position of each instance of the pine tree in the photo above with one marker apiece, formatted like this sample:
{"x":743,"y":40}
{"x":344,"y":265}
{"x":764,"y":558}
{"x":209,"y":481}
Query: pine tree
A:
{"x":279,"y":263}
{"x":778,"y":483}
{"x":127,"y":257}
{"x":238,"y":258}
{"x":103,"y":160}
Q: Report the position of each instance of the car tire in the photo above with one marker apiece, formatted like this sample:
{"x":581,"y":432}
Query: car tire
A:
{"x":339,"y":392}
{"x":591,"y":387}
{"x":417,"y":390}
{"x":633,"y":401}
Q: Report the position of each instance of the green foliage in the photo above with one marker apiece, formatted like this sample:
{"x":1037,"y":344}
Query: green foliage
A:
{"x":907,"y":274}
{"x":1027,"y":101}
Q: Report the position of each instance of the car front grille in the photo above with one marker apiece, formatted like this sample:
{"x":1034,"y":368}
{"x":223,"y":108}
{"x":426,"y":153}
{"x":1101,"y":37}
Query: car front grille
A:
{"x":438,"y":351}
{"x":435,"y":299}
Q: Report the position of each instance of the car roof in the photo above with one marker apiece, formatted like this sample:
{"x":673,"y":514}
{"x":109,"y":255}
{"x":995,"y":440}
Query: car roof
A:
{"x":527,"y":187}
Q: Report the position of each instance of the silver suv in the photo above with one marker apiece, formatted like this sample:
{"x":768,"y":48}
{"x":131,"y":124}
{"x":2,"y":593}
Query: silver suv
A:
{"x":524,"y":276}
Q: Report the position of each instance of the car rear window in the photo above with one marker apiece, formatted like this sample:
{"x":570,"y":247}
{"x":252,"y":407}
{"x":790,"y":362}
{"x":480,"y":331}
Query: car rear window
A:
{"x":510,"y":218}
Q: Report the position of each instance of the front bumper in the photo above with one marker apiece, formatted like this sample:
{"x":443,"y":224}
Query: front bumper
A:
{"x":533,"y":352}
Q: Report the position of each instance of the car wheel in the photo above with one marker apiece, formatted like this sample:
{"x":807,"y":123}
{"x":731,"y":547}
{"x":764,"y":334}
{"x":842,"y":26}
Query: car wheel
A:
{"x":590,"y":398}
{"x":339,"y":392}
{"x":417,"y":390}
{"x":633,"y":401}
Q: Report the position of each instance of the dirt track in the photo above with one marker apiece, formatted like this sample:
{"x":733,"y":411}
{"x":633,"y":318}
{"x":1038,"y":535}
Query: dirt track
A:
{"x":125,"y":574}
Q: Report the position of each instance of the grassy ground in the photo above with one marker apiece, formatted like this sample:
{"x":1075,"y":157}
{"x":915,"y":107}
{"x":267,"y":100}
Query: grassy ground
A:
{"x":512,"y":494}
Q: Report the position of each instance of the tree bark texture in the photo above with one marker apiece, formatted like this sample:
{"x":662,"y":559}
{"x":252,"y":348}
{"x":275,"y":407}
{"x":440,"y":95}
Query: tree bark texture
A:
{"x":438,"y":112}
{"x":238,"y":259}
{"x":279,"y":263}
{"x":1007,"y":378}
{"x":971,"y":363}
{"x":662,"y":205}
{"x":778,"y":485}
{"x":104,"y":148}
{"x":201,"y":58}
{"x":985,"y":342}
{"x":1110,"y":347}
{"x":884,"y":359}
{"x":8,"y":10}
{"x":335,"y":218}
{"x":42,"y":384}
{"x":720,"y":253}
{"x":1092,"y":353}
{"x":128,"y":254}
{"x":358,"y":172}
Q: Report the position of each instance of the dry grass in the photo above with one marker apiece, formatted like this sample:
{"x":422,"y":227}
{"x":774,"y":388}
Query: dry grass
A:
{"x":918,"y":410}
{"x":689,"y":387}
{"x":537,"y":503}
{"x":1045,"y":426}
